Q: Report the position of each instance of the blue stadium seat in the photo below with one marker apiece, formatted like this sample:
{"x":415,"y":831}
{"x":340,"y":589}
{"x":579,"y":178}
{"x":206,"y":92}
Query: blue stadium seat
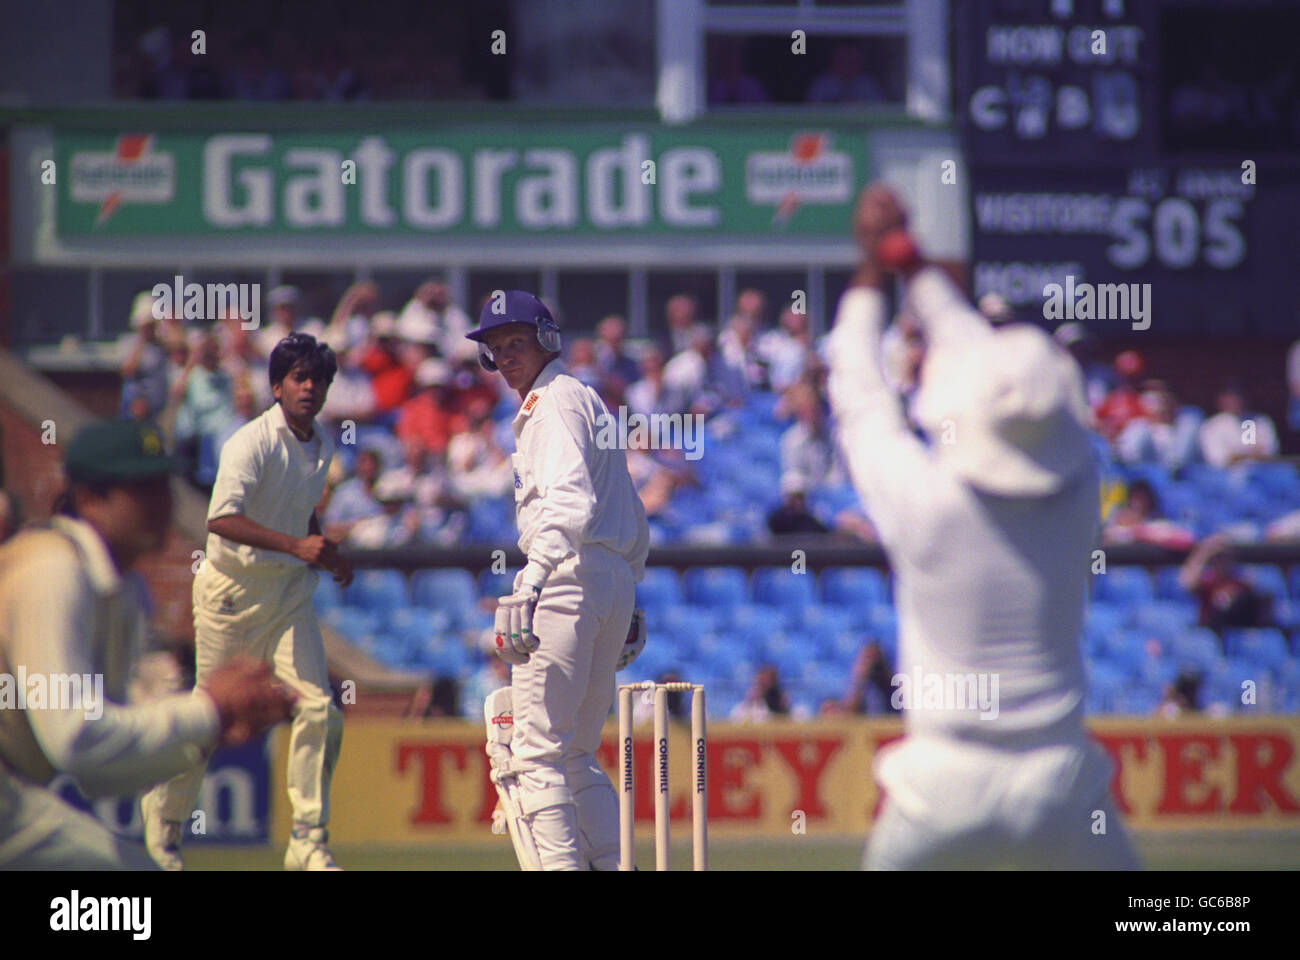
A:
{"x":826,"y":622}
{"x":492,"y":585}
{"x":682,"y":627}
{"x":1199,"y":647}
{"x":1135,"y":700}
{"x":1104,"y":681}
{"x":451,"y":590}
{"x":447,"y":657}
{"x":1163,"y":618}
{"x":1157,"y":672}
{"x":1294,"y":581}
{"x":380,"y":590}
{"x":1123,"y":585}
{"x":821,"y":680}
{"x":782,"y":587}
{"x":327,"y":594}
{"x":1226,"y":681}
{"x":788,"y":653}
{"x":1265,"y":647}
{"x":1168,"y":587}
{"x":1210,"y":481}
{"x":1266,"y":577}
{"x":660,"y":589}
{"x":353,"y":622}
{"x":1104,"y":617}
{"x":720,"y":588}
{"x":1276,"y":478}
{"x":418,"y":621}
{"x":751,"y":622}
{"x":853,"y":587}
{"x":1126,"y":650}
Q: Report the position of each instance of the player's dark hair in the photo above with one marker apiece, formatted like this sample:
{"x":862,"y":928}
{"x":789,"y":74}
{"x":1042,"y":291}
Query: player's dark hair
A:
{"x":65,"y":504}
{"x":302,"y":349}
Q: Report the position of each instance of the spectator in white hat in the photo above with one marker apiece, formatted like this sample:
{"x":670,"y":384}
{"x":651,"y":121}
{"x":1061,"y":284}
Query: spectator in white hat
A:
{"x":285,"y":304}
{"x":430,"y":317}
{"x":144,"y":364}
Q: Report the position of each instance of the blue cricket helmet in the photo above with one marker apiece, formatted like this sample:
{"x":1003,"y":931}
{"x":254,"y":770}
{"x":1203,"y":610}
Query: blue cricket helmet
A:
{"x":514,"y":306}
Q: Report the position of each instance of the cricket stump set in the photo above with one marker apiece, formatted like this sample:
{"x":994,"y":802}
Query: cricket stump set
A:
{"x":699,"y":796}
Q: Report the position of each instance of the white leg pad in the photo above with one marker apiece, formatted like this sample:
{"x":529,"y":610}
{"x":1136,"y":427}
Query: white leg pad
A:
{"x":597,"y":808}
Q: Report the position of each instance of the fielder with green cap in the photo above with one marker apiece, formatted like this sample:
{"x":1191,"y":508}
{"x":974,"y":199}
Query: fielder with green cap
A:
{"x":70,"y":625}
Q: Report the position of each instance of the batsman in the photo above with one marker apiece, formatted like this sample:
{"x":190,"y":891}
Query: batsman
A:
{"x":569,"y":624}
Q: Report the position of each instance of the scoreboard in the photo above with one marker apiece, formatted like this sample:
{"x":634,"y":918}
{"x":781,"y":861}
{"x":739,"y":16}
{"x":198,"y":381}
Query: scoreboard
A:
{"x":1135,"y":141}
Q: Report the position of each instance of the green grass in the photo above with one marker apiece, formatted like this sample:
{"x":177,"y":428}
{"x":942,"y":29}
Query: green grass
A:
{"x":1159,"y":851}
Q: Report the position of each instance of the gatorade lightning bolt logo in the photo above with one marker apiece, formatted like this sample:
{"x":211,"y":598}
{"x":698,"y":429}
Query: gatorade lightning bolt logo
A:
{"x":131,"y":149}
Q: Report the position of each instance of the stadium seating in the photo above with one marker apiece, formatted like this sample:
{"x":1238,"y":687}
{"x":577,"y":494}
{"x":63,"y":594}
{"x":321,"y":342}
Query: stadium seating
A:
{"x":717,"y":625}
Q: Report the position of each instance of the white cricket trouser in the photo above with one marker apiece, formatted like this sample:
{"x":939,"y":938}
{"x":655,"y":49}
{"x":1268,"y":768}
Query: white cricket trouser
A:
{"x":959,"y":805}
{"x":271,"y":618}
{"x":562,"y":698}
{"x":38,"y":831}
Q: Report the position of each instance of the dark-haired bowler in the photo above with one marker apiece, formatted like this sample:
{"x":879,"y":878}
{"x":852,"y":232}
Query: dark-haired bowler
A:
{"x":253,"y":593}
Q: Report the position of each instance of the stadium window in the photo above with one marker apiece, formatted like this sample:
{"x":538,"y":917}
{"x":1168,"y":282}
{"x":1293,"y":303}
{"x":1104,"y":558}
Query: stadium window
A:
{"x":118,"y":290}
{"x":661,"y":286}
{"x":48,"y":305}
{"x":587,"y":296}
{"x":396,"y":287}
{"x":835,"y":71}
{"x":321,"y":290}
{"x":777,"y":287}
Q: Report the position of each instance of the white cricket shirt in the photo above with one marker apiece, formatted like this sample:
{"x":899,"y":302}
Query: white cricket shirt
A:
{"x":986,"y":586}
{"x":569,"y":491}
{"x":65,"y":611}
{"x":273,"y":478}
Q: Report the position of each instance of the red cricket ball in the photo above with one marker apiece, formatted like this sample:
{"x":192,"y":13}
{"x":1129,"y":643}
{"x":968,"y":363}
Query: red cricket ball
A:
{"x":896,"y":250}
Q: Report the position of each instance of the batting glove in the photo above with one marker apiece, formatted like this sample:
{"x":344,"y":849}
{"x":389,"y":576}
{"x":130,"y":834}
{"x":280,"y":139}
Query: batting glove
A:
{"x":515,"y":640}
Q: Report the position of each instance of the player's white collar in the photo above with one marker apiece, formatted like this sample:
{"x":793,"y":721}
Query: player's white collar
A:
{"x":534,"y":396}
{"x":100,"y":568}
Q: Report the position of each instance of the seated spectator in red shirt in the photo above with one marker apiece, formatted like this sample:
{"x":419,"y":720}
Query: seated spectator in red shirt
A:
{"x":427,"y":420}
{"x":391,"y":380}
{"x":1226,"y":598}
{"x":1124,"y":403}
{"x":1139,"y":521}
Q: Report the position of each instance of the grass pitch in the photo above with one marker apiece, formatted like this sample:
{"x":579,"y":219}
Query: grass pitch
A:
{"x":1159,"y":851}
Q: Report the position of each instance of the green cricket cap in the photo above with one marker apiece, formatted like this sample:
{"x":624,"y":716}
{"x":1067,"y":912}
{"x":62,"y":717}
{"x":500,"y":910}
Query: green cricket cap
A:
{"x":118,"y":451}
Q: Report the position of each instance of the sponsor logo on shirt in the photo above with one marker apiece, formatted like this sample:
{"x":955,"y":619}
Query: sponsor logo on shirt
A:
{"x":531,"y":401}
{"x":519,"y":483}
{"x":227,"y":604}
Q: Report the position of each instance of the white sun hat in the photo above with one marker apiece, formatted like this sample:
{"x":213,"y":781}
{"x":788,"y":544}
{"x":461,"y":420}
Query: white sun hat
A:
{"x":1002,"y":409}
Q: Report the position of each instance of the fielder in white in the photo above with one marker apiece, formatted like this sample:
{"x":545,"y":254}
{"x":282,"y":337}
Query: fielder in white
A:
{"x":565,"y":627}
{"x":71,"y":621}
{"x":989,"y":530}
{"x":253,"y":594}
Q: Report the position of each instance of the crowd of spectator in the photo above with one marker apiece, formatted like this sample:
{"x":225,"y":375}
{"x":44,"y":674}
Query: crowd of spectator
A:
{"x":424,"y":432}
{"x":285,"y":65}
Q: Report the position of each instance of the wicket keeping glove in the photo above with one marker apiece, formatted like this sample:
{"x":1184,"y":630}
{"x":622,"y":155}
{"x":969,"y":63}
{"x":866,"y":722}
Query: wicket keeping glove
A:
{"x":515,"y":640}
